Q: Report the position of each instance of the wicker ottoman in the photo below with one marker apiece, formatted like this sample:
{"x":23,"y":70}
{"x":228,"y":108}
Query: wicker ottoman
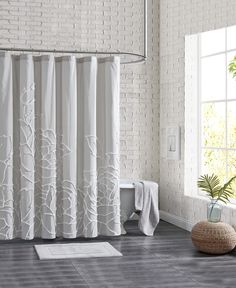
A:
{"x":213,"y":238}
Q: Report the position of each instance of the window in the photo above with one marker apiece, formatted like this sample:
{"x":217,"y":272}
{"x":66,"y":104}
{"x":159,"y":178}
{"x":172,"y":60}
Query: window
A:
{"x":217,"y":103}
{"x":210,"y":105}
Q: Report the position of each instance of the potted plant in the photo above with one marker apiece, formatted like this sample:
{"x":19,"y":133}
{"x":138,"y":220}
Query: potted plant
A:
{"x":210,"y":184}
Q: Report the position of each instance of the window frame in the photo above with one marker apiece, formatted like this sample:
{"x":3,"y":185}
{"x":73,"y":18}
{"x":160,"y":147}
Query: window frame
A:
{"x":224,"y":100}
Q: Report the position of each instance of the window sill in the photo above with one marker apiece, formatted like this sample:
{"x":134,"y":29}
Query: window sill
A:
{"x":231,"y":204}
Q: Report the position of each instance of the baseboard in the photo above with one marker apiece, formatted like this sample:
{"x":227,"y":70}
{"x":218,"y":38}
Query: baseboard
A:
{"x":170,"y":218}
{"x":175,"y":220}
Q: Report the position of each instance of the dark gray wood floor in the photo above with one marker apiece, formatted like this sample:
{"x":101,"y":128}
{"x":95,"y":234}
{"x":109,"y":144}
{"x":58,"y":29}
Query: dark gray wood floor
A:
{"x":166,"y":260}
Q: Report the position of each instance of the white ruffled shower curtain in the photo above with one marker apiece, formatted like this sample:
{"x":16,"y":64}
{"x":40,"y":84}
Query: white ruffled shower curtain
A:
{"x":59,"y":146}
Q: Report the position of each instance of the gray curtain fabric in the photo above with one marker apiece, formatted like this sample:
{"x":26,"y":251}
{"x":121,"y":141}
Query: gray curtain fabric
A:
{"x":59,"y":146}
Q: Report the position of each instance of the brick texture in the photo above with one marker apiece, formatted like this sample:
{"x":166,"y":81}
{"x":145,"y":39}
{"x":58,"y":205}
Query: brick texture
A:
{"x":177,"y":19}
{"x":101,"y":25}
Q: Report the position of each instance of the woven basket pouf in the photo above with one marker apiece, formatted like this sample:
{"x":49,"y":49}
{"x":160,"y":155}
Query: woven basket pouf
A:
{"x":213,"y":238}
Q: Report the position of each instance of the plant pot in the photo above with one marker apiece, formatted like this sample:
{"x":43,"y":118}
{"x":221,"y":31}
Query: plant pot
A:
{"x":214,"y":211}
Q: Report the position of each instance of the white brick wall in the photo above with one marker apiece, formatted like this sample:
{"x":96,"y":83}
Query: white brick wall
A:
{"x":102,"y":25}
{"x":177,"y":19}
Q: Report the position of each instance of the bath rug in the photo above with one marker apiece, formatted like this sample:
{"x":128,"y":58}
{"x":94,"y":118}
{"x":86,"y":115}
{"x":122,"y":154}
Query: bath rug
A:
{"x":76,"y":250}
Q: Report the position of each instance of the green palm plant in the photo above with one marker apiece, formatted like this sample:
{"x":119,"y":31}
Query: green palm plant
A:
{"x":210,"y":184}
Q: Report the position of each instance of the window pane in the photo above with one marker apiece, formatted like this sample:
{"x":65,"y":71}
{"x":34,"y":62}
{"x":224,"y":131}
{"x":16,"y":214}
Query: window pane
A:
{"x":214,"y":161}
{"x":213,"y":78}
{"x":232,"y":168}
{"x":212,"y":42}
{"x":231,"y":115}
{"x":231,"y":163}
{"x":231,"y":39}
{"x":231,"y":93}
{"x":213,"y":124}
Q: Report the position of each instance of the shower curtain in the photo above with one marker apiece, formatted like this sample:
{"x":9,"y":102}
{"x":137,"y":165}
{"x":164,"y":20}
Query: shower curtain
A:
{"x":59,"y":146}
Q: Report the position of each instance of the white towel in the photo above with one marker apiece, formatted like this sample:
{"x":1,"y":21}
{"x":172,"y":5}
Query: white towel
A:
{"x":146,"y":201}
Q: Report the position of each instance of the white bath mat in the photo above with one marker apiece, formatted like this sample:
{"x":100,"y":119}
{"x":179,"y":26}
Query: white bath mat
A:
{"x":76,"y":250}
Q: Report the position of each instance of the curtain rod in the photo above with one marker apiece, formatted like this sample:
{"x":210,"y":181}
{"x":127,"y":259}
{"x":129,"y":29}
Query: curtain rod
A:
{"x":141,"y":58}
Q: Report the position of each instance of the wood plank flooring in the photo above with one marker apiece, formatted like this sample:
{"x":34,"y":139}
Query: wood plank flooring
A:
{"x":166,"y":260}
